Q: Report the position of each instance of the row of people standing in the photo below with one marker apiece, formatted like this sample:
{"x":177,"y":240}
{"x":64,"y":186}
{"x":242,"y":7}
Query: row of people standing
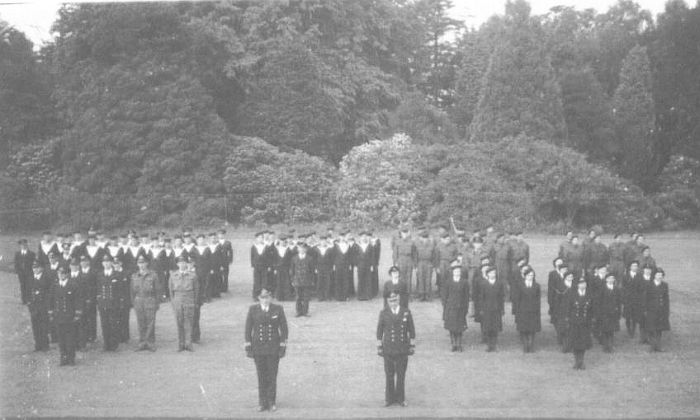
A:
{"x":333,"y":267}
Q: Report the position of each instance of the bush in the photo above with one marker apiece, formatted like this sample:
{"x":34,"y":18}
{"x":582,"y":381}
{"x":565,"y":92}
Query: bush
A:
{"x":265,"y":184}
{"x":380,"y":180}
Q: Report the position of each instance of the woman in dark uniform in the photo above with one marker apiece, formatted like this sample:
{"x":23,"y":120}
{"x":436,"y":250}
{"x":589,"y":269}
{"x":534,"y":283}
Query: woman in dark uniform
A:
{"x":527,"y":315}
{"x":456,"y":307}
{"x":562,"y":294}
{"x":580,"y":313}
{"x":492,"y":309}
{"x":608,"y":310}
{"x":657,"y":309}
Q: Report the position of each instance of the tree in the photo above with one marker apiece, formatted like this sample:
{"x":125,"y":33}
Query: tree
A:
{"x":421,"y":121}
{"x":634,"y":118}
{"x":588,"y":115}
{"x":26,"y":113}
{"x":475,"y":48}
{"x":675,"y":62}
{"x":623,"y":26}
{"x":520,"y":93}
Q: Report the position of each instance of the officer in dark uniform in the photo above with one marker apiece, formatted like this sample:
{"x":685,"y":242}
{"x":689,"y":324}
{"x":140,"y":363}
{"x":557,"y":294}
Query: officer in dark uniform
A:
{"x":38,"y":303}
{"x":24,"y":258}
{"x":266,"y":342}
{"x":227,"y":251}
{"x":395,"y":331}
{"x":396,"y":285}
{"x":65,"y":310}
{"x":109,"y":291}
{"x":580,"y":314}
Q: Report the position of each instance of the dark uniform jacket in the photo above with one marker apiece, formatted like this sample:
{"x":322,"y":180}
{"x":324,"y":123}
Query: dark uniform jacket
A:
{"x":527,"y":315}
{"x":109,"y":290}
{"x":580,"y":314}
{"x":553,"y":282}
{"x":657,"y":307}
{"x":399,"y":288}
{"x":95,"y":255}
{"x":266,"y":330}
{"x":23,"y":264}
{"x":608,"y":309}
{"x":456,"y":304}
{"x":492,"y":306}
{"x":260,"y":260}
{"x":44,"y":250}
{"x":395,"y":331}
{"x":66,"y":302}
{"x":40,"y":293}
{"x":302,"y":271}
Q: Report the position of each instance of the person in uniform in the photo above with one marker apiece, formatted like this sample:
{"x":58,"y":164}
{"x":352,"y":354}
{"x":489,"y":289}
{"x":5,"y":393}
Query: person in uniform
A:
{"x":639,"y":301}
{"x":124,"y":299}
{"x":146,"y":294}
{"x":323,"y":267}
{"x":227,"y":258}
{"x":395,"y":330}
{"x":404,"y":257}
{"x":456,"y":306}
{"x":492,"y":308}
{"x":629,"y":283}
{"x":93,"y":251}
{"x":616,"y":250}
{"x":201,"y":257}
{"x":425,"y":255}
{"x":608,"y":308}
{"x":646,"y":260}
{"x":527,"y":316}
{"x":302,"y":273}
{"x":24,"y":258}
{"x":216,"y":263}
{"x":65,"y":309}
{"x":597,"y":255}
{"x":446,"y":252}
{"x":502,"y":257}
{"x":363,"y":260}
{"x":38,"y":303}
{"x":395,"y":285}
{"x":342,"y":269}
{"x":266,"y":334}
{"x":109,"y":291}
{"x":580,"y":312}
{"x":88,"y":277}
{"x":47,"y":245}
{"x":259,"y":262}
{"x":281,"y":259}
{"x":184,"y":294}
{"x":376,"y":248}
{"x":574,"y":257}
{"x":657,"y":310}
{"x":560,"y":310}
{"x":564,"y":246}
{"x":74,"y":277}
{"x":556,"y":278}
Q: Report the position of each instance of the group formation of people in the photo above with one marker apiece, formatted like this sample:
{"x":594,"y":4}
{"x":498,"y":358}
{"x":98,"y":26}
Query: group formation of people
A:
{"x":68,"y":280}
{"x":591,"y":288}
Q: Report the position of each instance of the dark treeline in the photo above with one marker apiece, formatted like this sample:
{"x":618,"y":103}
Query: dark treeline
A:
{"x":270,"y":112}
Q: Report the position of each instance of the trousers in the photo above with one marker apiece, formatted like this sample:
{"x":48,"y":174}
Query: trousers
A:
{"x":109,"y":319}
{"x":395,"y":371}
{"x":267,"y":366}
{"x":67,"y":341}
{"x":145,"y":309}
{"x":183,"y":308}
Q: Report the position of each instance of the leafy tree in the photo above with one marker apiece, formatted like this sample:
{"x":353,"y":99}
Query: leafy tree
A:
{"x":588,"y":115}
{"x":425,"y":123}
{"x":617,"y":31}
{"x":675,"y":62}
{"x":26,"y":113}
{"x":633,"y":107}
{"x":520,"y":93}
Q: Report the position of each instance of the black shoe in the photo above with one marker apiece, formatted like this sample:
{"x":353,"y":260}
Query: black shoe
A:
{"x":262,"y":408}
{"x":181,"y":348}
{"x":403,"y":404}
{"x":388,"y":404}
{"x":189,"y":348}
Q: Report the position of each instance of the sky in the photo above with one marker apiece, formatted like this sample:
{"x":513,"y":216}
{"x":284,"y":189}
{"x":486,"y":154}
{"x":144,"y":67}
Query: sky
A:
{"x":34,"y":17}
